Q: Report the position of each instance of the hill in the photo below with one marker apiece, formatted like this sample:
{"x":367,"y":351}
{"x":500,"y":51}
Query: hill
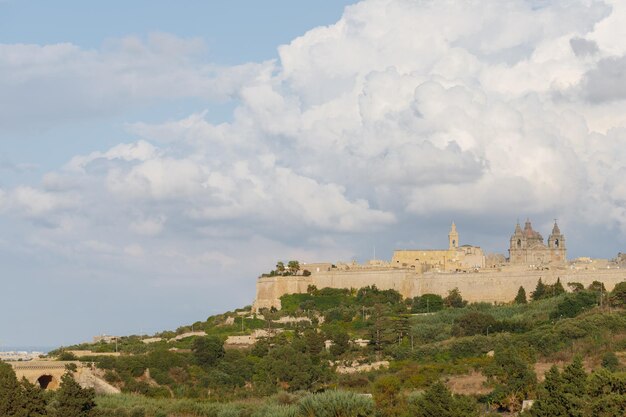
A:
{"x":477,"y":358}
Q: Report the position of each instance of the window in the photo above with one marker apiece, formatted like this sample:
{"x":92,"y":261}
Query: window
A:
{"x":519,"y":243}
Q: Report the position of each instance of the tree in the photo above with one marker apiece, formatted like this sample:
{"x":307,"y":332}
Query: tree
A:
{"x":207,"y":350}
{"x":387,"y":396}
{"x":552,"y":401}
{"x":556,"y":288}
{"x":512,"y":376}
{"x":10,"y":394}
{"x":473,"y":322}
{"x":427,"y":303}
{"x":610,"y":361}
{"x":72,"y":400}
{"x":280,"y":267}
{"x":454,"y":299}
{"x":341,"y":343}
{"x":520,"y":298}
{"x":35,"y":404}
{"x":293,"y":267}
{"x":540,"y":291}
{"x":438,"y":401}
{"x":597,"y":286}
{"x":576,"y":286}
{"x":575,"y":378}
{"x":618,"y":295}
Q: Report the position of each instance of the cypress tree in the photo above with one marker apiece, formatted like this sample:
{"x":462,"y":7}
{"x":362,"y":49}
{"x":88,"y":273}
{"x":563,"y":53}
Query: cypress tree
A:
{"x":540,"y":291}
{"x":557,"y":288}
{"x":520,"y":298}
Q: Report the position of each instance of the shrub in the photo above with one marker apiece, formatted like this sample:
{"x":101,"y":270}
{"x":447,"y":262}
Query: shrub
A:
{"x":454,"y":299}
{"x":472,"y":323}
{"x":336,"y":404}
{"x":427,"y":303}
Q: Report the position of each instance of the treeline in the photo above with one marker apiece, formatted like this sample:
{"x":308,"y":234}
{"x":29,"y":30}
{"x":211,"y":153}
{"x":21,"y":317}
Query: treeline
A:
{"x":23,"y":399}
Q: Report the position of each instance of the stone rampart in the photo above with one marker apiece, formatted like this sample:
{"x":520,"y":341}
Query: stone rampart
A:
{"x":487,"y":286}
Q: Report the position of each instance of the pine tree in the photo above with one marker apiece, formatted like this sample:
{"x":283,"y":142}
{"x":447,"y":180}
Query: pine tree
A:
{"x":520,"y":298}
{"x":35,"y":402}
{"x":552,"y":401}
{"x":438,"y":401}
{"x":73,"y":400}
{"x":540,"y":291}
{"x":11,"y":398}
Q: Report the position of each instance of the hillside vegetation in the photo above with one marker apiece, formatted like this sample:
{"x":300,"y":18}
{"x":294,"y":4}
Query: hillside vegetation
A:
{"x":415,"y":348}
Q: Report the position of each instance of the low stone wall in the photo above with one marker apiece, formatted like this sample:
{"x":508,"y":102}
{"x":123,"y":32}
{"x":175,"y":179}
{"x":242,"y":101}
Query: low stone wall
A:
{"x":492,"y":286}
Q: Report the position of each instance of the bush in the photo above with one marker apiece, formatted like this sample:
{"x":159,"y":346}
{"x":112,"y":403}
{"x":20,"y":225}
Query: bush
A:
{"x":427,"y":303}
{"x":472,"y":323}
{"x":336,"y":404}
{"x":574,"y":304}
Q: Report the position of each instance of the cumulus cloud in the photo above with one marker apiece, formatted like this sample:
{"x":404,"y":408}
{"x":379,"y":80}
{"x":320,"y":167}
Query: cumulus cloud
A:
{"x":400,"y":111}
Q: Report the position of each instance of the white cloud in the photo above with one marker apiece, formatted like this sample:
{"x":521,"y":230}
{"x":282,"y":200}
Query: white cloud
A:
{"x":400,"y":110}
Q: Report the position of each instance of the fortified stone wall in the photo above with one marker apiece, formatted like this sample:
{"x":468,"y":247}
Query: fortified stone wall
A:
{"x":500,"y":286}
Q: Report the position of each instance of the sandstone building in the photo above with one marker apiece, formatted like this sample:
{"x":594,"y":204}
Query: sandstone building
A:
{"x":455,"y":258}
{"x":527,"y":247}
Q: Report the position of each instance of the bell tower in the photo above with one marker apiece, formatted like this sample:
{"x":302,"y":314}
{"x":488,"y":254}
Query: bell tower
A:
{"x":556,"y":245}
{"x":453,"y":238}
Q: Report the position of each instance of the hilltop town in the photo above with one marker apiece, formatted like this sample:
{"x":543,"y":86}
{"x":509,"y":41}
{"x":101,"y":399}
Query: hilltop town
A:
{"x":480,"y":277}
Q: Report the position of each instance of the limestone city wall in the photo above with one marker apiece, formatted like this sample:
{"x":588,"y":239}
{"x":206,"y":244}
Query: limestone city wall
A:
{"x":496,"y":286}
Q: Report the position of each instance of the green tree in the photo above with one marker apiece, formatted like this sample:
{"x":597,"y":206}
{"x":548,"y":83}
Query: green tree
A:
{"x":207,"y":350}
{"x":552,"y":400}
{"x":512,"y":376}
{"x":11,"y":398}
{"x":618,"y":295}
{"x":454,"y":299}
{"x":540,"y":291}
{"x":280,"y":267}
{"x":72,"y":400}
{"x":293,"y":267}
{"x":438,"y":401}
{"x":556,"y":289}
{"x":520,"y":298}
{"x":386,"y":393}
{"x":575,"y":286}
{"x":35,"y":402}
{"x":427,"y":303}
{"x":341,"y":343}
{"x":610,"y":361}
{"x":473,"y":322}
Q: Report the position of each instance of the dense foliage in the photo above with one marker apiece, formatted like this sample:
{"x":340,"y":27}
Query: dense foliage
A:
{"x":426,"y":340}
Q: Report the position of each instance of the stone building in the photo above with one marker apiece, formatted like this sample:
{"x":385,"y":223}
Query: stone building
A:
{"x":527,"y":247}
{"x":455,"y":258}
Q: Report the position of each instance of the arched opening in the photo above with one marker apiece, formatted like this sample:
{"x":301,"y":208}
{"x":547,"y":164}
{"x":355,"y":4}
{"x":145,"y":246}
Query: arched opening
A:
{"x":45,"y":380}
{"x":454,"y":243}
{"x":556,"y":243}
{"x":519,"y":243}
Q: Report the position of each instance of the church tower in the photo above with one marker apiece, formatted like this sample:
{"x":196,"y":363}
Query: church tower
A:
{"x":453,"y":238}
{"x":556,"y":245}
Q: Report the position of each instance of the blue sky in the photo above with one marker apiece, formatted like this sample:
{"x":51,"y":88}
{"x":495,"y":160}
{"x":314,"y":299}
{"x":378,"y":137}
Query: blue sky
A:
{"x":155,"y":157}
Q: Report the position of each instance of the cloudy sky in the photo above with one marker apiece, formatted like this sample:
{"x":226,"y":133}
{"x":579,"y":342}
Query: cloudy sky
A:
{"x":154,"y":159}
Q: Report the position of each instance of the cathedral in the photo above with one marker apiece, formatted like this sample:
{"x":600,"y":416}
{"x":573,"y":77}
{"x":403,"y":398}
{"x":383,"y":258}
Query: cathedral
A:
{"x":527,"y":247}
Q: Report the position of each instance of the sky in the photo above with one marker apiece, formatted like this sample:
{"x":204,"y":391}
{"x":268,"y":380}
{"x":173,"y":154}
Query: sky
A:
{"x":156,"y":157}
